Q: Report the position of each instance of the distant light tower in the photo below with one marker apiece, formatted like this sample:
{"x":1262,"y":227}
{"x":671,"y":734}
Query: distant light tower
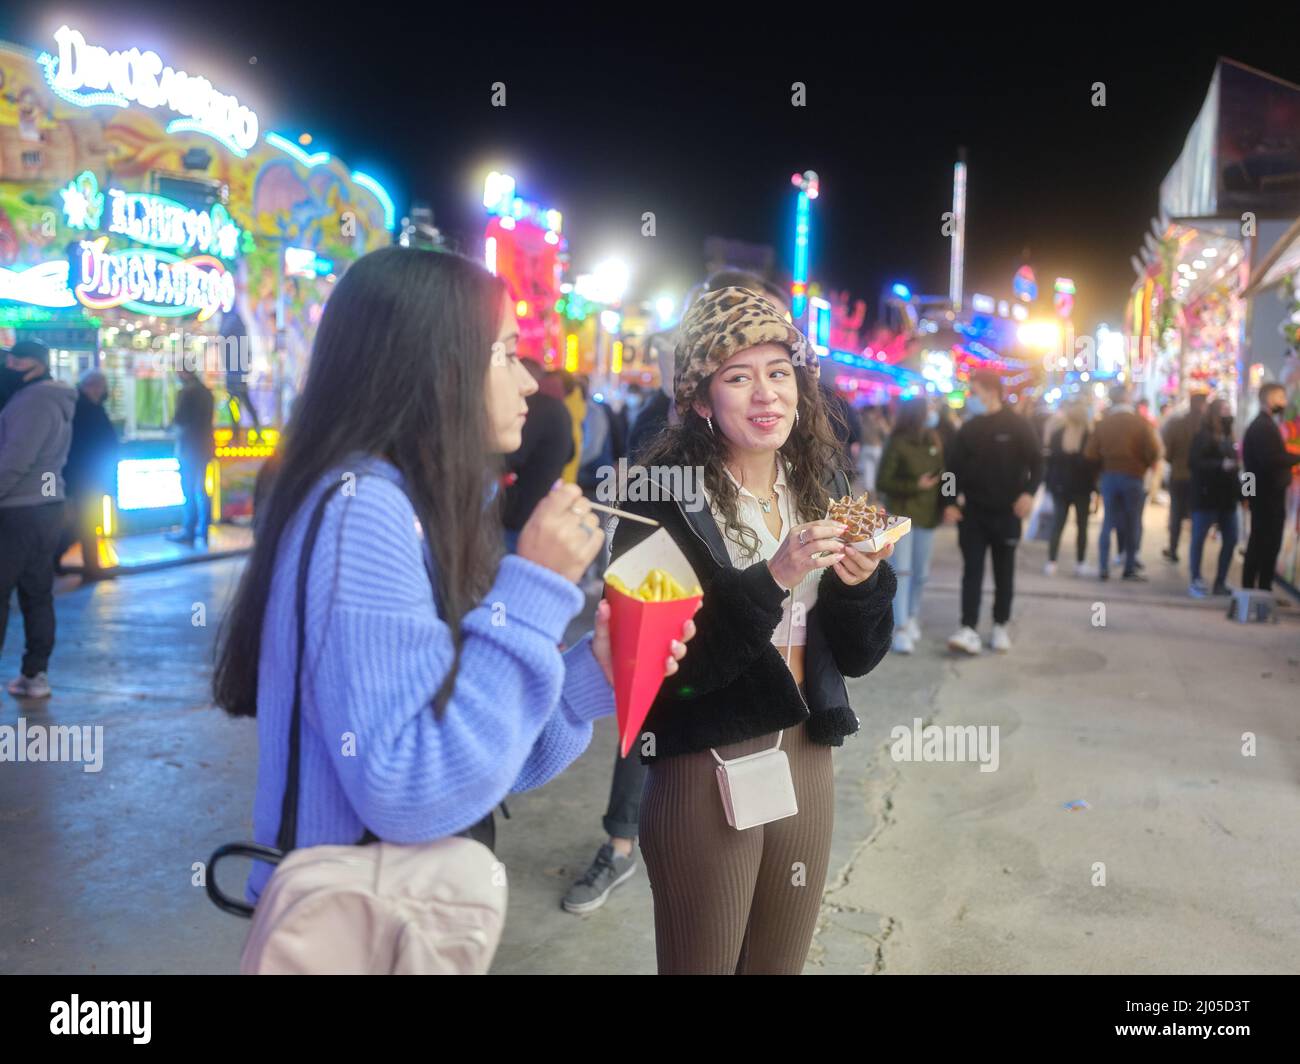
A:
{"x":809,"y":187}
{"x":957,"y":259}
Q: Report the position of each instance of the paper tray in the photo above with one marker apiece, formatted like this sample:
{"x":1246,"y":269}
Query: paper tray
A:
{"x":897,"y":528}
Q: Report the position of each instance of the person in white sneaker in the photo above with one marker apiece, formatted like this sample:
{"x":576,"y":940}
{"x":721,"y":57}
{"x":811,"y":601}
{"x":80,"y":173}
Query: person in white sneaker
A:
{"x":967,"y":639}
{"x":998,"y":463}
{"x":35,"y":434}
{"x":908,"y":479}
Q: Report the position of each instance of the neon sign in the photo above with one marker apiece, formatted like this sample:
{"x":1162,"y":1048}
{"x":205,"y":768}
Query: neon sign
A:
{"x":164,"y":223}
{"x":90,"y":76}
{"x":153,"y":282}
{"x":42,"y":285}
{"x":83,"y":203}
{"x":149,"y":219}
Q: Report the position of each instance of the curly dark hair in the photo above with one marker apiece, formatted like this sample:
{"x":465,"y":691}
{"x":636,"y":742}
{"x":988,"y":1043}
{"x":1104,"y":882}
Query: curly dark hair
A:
{"x":812,"y":451}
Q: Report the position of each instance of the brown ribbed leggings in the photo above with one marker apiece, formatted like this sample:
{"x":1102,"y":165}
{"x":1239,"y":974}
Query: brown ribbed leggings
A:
{"x":736,"y":902}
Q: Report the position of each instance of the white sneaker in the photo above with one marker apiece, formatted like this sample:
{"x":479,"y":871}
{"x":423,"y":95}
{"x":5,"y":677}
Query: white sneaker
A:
{"x":913,"y":628}
{"x":1083,"y":569}
{"x":967,"y":639}
{"x":1001,"y":640}
{"x":1049,"y":569}
{"x":37,"y":686}
{"x":903,"y":642}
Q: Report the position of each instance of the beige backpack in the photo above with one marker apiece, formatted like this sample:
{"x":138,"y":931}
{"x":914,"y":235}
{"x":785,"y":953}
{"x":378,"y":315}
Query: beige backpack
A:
{"x":432,"y":908}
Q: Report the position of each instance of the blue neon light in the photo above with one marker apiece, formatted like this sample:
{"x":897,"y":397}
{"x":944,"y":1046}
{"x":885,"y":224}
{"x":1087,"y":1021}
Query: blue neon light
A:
{"x":193,"y":125}
{"x":899,"y":374}
{"x":902,"y":291}
{"x":381,"y":194}
{"x":290,"y":148}
{"x":801,"y":228}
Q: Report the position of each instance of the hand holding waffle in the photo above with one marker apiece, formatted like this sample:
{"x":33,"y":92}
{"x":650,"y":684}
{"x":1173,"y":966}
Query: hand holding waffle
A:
{"x":814,"y":545}
{"x":869,"y":526}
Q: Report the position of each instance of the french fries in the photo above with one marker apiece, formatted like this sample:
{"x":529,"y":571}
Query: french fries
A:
{"x":658,"y":586}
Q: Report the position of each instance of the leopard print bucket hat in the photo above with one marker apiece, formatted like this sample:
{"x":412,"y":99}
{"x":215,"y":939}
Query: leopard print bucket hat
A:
{"x":722,"y":323}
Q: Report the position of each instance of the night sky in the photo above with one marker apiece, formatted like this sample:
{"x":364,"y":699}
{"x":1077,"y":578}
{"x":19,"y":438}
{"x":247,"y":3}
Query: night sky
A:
{"x":689,"y":116}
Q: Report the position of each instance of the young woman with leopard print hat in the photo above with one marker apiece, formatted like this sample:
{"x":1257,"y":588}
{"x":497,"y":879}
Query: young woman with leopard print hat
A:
{"x":789,"y":610}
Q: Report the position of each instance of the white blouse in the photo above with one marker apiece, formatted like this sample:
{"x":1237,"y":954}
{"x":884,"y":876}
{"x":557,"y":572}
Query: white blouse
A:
{"x":797,"y":605}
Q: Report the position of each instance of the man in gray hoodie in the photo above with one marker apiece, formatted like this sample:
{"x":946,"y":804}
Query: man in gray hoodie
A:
{"x":35,"y":433}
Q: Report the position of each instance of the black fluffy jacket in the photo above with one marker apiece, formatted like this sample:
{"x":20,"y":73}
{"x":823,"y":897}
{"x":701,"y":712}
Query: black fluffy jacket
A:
{"x":733,"y":683}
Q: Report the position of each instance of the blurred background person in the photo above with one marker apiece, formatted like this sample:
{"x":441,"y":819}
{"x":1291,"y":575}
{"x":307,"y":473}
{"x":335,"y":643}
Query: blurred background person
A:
{"x":194,"y":449}
{"x":910,"y":470}
{"x":89,"y":474}
{"x":575,"y":400}
{"x":652,"y":418}
{"x":546,"y":448}
{"x":1266,"y":459}
{"x":1124,"y":447}
{"x":998,"y":464}
{"x":875,"y":431}
{"x":1071,"y":478}
{"x":1216,"y":493}
{"x":35,"y":434}
{"x":1177,"y":436}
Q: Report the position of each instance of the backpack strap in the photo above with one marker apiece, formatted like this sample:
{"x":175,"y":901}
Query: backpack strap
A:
{"x":287,"y":838}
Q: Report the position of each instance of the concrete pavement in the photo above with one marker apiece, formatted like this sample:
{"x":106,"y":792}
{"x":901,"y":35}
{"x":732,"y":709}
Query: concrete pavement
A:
{"x":936,"y":866}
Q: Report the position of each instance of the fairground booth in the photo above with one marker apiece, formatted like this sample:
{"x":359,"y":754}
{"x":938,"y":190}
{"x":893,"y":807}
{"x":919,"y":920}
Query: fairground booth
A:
{"x":148,"y":223}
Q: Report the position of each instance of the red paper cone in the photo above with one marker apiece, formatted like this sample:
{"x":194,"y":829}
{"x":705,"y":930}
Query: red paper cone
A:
{"x":641,"y":636}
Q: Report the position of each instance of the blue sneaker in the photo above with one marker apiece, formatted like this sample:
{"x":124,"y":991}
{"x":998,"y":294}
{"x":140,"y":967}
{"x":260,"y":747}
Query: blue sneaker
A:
{"x":1198,"y":590}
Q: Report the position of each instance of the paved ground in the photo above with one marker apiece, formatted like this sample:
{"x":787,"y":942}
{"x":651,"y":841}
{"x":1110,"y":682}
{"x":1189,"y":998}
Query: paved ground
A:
{"x":937,"y":867}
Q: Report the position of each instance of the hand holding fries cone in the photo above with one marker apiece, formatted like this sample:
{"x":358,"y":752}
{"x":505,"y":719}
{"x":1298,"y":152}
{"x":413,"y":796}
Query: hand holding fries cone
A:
{"x":649,"y":603}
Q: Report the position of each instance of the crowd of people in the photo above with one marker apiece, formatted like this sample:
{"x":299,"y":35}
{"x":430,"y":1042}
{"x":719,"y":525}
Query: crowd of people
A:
{"x":420,"y":554}
{"x":58,"y":459}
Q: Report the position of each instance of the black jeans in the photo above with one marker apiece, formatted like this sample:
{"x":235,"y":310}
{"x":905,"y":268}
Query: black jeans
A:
{"x":28,"y":536}
{"x":623,"y":814}
{"x":1267,"y":519}
{"x":1062,"y":504}
{"x":996,"y":532}
{"x":1180,"y":510}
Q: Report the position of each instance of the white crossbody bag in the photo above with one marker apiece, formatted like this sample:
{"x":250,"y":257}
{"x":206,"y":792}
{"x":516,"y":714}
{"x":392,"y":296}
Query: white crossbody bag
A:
{"x":759,"y":788}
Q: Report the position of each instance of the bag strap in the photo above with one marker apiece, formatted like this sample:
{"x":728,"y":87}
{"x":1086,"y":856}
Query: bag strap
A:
{"x":288,"y":836}
{"x":484,"y":831}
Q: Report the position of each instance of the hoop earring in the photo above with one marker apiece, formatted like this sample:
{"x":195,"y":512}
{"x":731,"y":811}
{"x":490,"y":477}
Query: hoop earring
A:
{"x":709,"y":421}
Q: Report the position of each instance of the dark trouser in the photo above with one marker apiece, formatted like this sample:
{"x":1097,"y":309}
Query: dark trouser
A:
{"x":997,"y":532}
{"x":1180,"y":508}
{"x":1201,"y":522}
{"x":736,"y":902}
{"x":1267,"y":518}
{"x":1062,"y":503}
{"x":623,"y":814}
{"x":81,"y":517}
{"x":196,"y":514}
{"x":28,"y":535}
{"x":1122,"y":496}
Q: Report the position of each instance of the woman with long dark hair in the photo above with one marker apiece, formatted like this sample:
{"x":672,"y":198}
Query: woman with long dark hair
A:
{"x":432,"y":684}
{"x":789,"y":610}
{"x":908,"y":480}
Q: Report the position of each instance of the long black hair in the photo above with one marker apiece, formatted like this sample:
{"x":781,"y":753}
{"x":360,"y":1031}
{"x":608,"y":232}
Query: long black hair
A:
{"x":398,"y":370}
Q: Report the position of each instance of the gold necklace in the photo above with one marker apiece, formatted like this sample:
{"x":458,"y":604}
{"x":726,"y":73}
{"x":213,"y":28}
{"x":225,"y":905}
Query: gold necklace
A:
{"x":766,"y":504}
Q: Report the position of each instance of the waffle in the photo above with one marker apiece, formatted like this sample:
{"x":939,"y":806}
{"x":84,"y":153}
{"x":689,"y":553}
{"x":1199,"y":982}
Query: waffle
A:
{"x":864,"y":521}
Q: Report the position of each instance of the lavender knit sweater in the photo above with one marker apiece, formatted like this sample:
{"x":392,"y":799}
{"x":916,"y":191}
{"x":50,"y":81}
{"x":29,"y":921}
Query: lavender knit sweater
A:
{"x":373,"y":754}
